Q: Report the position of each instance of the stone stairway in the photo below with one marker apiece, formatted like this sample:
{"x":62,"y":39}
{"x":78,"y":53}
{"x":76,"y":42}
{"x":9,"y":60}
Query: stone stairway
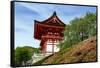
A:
{"x":37,"y":57}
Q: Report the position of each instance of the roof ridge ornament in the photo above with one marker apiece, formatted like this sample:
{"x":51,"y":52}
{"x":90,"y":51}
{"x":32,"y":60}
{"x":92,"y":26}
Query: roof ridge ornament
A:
{"x":54,"y":14}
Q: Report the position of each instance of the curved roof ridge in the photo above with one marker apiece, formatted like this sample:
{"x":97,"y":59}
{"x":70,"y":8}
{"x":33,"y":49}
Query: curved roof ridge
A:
{"x":53,"y":20}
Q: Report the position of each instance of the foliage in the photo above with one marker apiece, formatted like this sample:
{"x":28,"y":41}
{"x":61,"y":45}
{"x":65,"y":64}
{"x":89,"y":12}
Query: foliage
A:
{"x":22,"y":55}
{"x":37,"y":50}
{"x":79,"y":29}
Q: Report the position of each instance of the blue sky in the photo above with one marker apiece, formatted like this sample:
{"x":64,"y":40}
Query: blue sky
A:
{"x":26,"y":13}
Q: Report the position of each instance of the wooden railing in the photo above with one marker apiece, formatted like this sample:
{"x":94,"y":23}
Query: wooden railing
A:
{"x":52,"y":37}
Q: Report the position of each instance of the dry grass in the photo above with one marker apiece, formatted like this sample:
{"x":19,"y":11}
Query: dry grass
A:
{"x":85,"y":51}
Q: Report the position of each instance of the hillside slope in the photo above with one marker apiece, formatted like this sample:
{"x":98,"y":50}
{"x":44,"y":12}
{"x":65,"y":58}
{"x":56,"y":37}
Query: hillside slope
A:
{"x":85,"y":51}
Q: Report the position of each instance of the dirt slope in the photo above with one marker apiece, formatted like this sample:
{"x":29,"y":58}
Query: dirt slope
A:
{"x":85,"y":51}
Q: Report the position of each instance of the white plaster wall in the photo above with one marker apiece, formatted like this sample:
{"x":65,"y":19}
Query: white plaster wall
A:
{"x":56,"y":49}
{"x":49,"y":48}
